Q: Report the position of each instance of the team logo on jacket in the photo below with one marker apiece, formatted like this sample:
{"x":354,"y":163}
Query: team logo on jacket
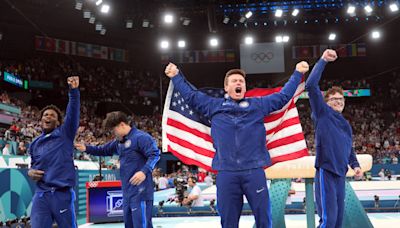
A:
{"x":244,"y":104}
{"x":127,"y":143}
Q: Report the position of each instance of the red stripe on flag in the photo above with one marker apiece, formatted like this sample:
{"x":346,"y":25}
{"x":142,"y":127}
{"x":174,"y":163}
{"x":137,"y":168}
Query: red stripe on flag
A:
{"x":183,"y":127}
{"x":291,"y":156}
{"x":285,"y":124}
{"x":279,"y":115}
{"x":259,"y":92}
{"x":285,"y":141}
{"x":188,"y":145}
{"x":189,"y":161}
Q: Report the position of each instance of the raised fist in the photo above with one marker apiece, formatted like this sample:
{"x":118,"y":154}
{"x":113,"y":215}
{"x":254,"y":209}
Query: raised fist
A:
{"x":302,"y":67}
{"x":329,"y":55}
{"x":171,"y":70}
{"x":73,"y":82}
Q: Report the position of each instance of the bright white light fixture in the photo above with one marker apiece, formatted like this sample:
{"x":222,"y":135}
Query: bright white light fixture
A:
{"x":105,"y":8}
{"x":92,"y":19}
{"x":368,"y":9}
{"x":181,"y":44}
{"x":351,"y":10}
{"x":295,"y":12}
{"x":285,"y":39}
{"x":278,"y":13}
{"x":394,"y":7}
{"x":164,"y":44}
{"x":78,"y":5}
{"x":86,"y":14}
{"x":213,"y":42}
{"x":129,"y":23}
{"x":248,"y":14}
{"x":98,"y":2}
{"x":332,"y":36}
{"x":99,"y":26}
{"x":168,"y":18}
{"x":248,"y":40}
{"x":375,"y":34}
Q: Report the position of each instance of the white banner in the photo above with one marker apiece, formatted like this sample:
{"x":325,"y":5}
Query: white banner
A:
{"x":262,"y":58}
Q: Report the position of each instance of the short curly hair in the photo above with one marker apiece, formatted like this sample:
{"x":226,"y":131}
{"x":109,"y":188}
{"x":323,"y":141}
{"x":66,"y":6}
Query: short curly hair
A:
{"x":332,"y":91}
{"x":56,"y":109}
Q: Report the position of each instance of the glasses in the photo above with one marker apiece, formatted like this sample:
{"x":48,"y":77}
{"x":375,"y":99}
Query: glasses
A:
{"x":336,"y":99}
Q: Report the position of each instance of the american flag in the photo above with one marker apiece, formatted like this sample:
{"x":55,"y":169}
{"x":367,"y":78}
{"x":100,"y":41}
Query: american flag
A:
{"x":186,"y":134}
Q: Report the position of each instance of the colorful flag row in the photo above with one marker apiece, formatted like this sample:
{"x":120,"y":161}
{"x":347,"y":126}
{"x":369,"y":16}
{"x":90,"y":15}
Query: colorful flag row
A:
{"x":199,"y":56}
{"x":67,"y":47}
{"x":343,"y":50}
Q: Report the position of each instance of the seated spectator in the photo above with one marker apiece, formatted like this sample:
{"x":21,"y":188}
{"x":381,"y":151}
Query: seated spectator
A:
{"x":21,"y":149}
{"x":6,"y":149}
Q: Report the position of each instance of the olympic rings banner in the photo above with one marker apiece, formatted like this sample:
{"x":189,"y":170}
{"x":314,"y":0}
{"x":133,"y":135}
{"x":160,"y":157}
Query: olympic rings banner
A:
{"x":262,"y":58}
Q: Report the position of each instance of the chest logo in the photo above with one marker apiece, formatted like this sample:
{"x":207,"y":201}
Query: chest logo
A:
{"x":244,"y":104}
{"x":127,"y":143}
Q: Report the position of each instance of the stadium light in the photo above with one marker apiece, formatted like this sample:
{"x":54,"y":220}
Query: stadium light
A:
{"x":168,"y":18}
{"x":351,"y":10}
{"x":248,"y":40}
{"x":181,"y":44}
{"x":394,"y":7}
{"x":129,"y":23}
{"x":105,"y":8}
{"x":295,"y":12}
{"x":78,"y":5}
{"x":213,"y":42}
{"x":164,"y":44}
{"x":226,"y":20}
{"x":332,"y":36}
{"x":248,"y":14}
{"x":375,"y":35}
{"x":278,"y":13}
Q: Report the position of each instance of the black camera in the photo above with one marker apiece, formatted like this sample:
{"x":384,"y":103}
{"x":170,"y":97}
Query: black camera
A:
{"x":180,"y":189}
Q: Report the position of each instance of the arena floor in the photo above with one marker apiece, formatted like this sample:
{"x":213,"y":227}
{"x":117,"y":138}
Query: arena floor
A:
{"x":379,"y":220}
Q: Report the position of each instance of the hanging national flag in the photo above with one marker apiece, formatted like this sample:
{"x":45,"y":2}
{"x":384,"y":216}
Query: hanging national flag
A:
{"x":187,"y":134}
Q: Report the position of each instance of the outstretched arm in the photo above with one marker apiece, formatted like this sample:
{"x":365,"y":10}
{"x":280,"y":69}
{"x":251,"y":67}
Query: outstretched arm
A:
{"x":71,"y":120}
{"x":108,"y":149}
{"x":196,"y":99}
{"x":277,"y":100}
{"x":314,"y":92}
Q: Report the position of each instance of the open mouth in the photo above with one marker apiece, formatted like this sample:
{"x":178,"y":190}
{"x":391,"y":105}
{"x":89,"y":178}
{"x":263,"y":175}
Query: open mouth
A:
{"x":238,"y":90}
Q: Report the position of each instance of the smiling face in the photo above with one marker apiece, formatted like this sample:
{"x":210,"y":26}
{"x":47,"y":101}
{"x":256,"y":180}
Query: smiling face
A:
{"x":235,"y":84}
{"x":49,"y":120}
{"x":336,"y":102}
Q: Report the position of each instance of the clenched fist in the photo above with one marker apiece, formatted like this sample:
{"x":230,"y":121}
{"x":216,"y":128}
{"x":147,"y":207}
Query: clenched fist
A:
{"x":73,"y":82}
{"x":329,"y":55}
{"x":302,"y":67}
{"x":171,"y":70}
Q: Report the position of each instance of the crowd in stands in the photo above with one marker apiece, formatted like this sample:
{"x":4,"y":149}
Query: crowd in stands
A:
{"x":375,"y":120}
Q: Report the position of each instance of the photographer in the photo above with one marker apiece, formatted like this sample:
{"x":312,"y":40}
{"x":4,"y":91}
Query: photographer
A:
{"x":194,"y":198}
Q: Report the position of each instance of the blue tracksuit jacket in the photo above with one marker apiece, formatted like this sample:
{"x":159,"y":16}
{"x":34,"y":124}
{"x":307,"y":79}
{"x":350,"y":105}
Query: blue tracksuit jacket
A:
{"x":53,"y":152}
{"x":237,"y":127}
{"x":137,"y":152}
{"x":333,"y":134}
